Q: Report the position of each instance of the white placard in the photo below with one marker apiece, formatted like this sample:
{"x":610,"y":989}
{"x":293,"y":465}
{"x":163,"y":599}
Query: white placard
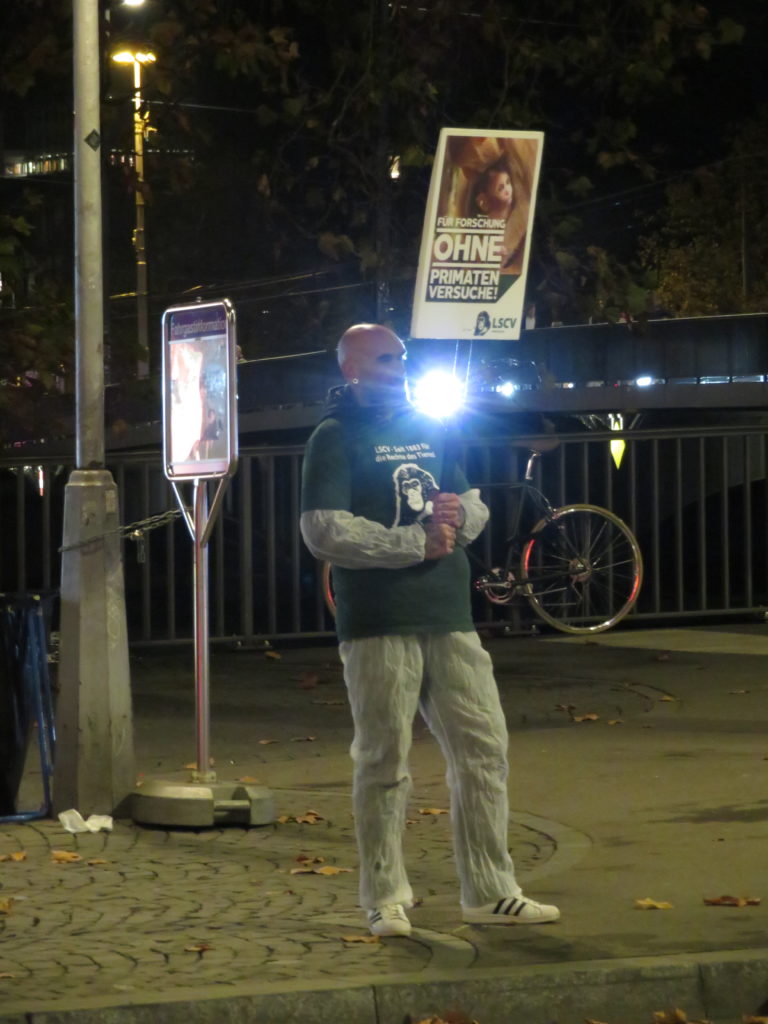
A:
{"x":477,"y":231}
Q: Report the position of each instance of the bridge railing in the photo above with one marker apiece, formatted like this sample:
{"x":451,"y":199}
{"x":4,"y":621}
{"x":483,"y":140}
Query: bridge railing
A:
{"x":696,"y":500}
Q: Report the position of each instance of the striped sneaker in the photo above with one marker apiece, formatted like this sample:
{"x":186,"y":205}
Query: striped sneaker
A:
{"x":512,"y":910}
{"x":389,"y":919}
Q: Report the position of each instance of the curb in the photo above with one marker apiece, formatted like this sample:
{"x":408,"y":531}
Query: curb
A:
{"x":709,"y":986}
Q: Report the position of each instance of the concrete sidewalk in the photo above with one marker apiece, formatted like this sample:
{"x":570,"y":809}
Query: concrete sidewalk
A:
{"x":639,"y":767}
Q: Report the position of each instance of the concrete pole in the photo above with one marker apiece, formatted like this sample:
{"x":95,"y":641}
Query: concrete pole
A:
{"x":94,"y":769}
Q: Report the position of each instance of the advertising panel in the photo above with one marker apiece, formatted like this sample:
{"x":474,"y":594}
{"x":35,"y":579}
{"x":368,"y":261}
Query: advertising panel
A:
{"x":477,"y":230}
{"x":199,"y":395}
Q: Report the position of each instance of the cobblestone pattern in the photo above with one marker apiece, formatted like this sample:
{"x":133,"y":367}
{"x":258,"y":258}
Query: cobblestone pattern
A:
{"x":178,"y":909}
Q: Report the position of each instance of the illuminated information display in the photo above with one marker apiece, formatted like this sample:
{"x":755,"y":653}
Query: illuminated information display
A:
{"x":199,"y":394}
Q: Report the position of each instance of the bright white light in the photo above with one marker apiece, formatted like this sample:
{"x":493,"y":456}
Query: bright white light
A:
{"x":644,"y":382}
{"x":507,"y":389}
{"x":438,"y":394}
{"x":129,"y":57}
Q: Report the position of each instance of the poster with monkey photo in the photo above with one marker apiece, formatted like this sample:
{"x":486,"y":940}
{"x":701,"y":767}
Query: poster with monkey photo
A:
{"x":477,"y":231}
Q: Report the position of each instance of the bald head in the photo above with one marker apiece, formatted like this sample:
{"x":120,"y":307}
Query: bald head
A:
{"x":371,"y":361}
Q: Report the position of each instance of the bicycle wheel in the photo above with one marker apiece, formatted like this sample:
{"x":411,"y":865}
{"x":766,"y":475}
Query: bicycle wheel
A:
{"x":582,"y":569}
{"x":328,"y":597}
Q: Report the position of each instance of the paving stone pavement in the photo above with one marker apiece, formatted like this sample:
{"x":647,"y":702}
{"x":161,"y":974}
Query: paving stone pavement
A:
{"x":155,"y":924}
{"x":151,"y":908}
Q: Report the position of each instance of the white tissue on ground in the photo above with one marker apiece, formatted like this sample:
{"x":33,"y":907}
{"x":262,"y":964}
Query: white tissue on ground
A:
{"x":73,"y":821}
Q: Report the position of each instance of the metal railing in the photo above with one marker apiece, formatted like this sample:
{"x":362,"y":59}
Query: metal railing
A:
{"x":695,"y":499}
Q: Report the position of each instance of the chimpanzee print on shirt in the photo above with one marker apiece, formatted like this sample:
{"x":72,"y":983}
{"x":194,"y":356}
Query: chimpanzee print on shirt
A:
{"x":414,"y":487}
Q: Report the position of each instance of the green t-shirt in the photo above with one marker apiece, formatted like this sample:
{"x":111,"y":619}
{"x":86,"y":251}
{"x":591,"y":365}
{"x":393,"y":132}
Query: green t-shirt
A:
{"x":384,"y":469}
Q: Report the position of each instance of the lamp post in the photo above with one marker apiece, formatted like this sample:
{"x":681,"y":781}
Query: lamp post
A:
{"x":138,"y":59}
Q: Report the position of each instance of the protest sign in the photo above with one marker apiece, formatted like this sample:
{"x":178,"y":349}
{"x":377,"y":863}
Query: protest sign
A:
{"x":477,"y":231}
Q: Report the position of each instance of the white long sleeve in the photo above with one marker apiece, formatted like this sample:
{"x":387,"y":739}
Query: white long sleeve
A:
{"x":354,"y":542}
{"x":475,"y":516}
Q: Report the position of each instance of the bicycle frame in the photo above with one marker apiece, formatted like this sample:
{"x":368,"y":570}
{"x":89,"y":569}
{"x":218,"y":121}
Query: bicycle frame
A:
{"x":531,"y":498}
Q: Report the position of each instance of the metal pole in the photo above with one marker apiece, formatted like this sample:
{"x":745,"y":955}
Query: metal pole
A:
{"x":202,"y":663}
{"x":139,"y":241}
{"x":94,"y":769}
{"x":89,"y":286}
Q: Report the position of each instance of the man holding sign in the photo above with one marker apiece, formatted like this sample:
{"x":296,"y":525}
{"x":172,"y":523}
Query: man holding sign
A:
{"x":384,"y":500}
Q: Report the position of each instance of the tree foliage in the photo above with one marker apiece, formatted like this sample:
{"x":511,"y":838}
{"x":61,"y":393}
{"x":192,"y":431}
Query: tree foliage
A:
{"x":709,"y":252}
{"x":276,"y":122}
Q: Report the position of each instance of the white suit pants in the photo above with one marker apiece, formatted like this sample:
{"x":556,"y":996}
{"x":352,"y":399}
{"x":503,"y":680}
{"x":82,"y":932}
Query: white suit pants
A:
{"x":449,"y":678}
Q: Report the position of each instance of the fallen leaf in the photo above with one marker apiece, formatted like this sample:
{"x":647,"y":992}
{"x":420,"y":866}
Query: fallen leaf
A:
{"x":751,"y":1019}
{"x":731,"y":901}
{"x":327,"y":869}
{"x":265,"y":742}
{"x":365,"y":939}
{"x":451,"y":1017}
{"x":667,"y":697}
{"x":283,"y":819}
{"x":649,"y":904}
{"x":433,"y":810}
{"x":19,"y":855}
{"x":565,"y":707}
{"x":615,"y":721}
{"x":273,"y":654}
{"x":192,"y":766}
{"x":200,"y":948}
{"x":304,"y":858}
{"x":308,"y":681}
{"x":738,"y":691}
{"x":310,"y":818}
{"x":6,"y":904}
{"x":662,"y":657}
{"x":589,"y":717}
{"x":676,"y":1016}
{"x":5,"y":976}
{"x":411,"y":821}
{"x":65,"y":857}
{"x":303,"y":739}
{"x":246,"y":778}
{"x":96,"y":860}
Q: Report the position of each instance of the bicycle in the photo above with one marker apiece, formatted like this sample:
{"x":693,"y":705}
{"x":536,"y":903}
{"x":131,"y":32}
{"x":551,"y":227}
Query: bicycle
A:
{"x":579,"y":566}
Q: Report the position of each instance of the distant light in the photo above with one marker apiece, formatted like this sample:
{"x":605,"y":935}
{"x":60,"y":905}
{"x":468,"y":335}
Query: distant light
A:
{"x":438,"y":393}
{"x":129,"y":57}
{"x":644,"y":382}
{"x":618,"y":446}
{"x":133,"y":3}
{"x":394,"y":167}
{"x":507,"y":389}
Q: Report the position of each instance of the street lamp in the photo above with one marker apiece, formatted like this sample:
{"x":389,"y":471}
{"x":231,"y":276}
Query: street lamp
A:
{"x":138,"y":59}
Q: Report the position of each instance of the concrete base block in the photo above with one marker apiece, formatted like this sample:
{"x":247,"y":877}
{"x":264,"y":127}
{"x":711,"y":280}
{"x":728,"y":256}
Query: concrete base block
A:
{"x":202,"y":804}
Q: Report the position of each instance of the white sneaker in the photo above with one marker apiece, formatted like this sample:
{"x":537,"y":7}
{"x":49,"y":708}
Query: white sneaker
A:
{"x":512,"y":910}
{"x":388,"y":919}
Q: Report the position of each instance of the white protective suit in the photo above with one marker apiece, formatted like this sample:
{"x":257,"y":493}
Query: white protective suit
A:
{"x":449,"y":678}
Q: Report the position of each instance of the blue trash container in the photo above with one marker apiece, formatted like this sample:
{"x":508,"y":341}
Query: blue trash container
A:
{"x":25,"y":697}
